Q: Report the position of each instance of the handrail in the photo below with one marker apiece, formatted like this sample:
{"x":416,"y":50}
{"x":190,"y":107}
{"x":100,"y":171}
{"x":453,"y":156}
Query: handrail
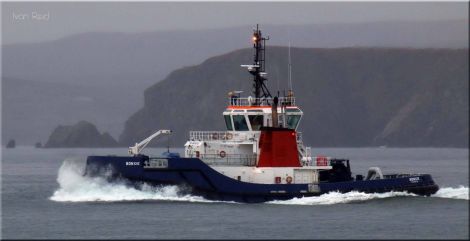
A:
{"x":316,"y":161}
{"x":228,"y":159}
{"x":399,"y":175}
{"x":250,"y":101}
{"x":220,"y":135}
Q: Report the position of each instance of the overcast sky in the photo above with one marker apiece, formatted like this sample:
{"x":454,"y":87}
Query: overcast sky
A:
{"x":33,"y":22}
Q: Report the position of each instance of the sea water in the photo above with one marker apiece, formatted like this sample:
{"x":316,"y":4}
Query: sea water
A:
{"x":44,"y":195}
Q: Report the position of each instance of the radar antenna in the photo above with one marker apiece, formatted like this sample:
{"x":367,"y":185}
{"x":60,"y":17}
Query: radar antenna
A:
{"x":257,"y":69}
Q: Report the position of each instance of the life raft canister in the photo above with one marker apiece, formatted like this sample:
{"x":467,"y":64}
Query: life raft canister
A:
{"x":229,"y":136}
{"x":222,"y":154}
{"x":215,"y":136}
{"x":322,"y":161}
{"x":289,"y":179}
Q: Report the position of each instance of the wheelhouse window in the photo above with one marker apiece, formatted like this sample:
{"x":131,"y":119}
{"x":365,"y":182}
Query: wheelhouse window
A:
{"x":256,"y":122}
{"x":292,"y":110}
{"x":239,"y":122}
{"x":228,"y":122}
{"x":292,"y":121}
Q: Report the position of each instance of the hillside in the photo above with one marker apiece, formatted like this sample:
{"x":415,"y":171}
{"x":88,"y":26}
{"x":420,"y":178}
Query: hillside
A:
{"x":350,"y":96}
{"x":100,"y":76}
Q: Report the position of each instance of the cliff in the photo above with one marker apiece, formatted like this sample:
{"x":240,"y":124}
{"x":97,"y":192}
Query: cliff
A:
{"x":350,"y":96}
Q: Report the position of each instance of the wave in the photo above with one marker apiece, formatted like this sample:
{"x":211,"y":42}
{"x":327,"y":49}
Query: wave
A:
{"x":337,"y":198}
{"x":460,"y":192}
{"x":74,"y":187}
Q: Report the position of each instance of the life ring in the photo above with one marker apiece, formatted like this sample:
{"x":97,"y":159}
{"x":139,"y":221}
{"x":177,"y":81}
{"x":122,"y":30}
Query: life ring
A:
{"x":222,"y":154}
{"x":289,"y":179}
{"x":229,"y":136}
{"x":215,"y":136}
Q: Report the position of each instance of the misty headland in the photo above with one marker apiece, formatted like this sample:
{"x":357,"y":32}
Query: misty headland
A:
{"x":373,"y":90}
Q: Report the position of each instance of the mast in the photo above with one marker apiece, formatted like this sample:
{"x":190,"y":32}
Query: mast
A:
{"x":257,"y":69}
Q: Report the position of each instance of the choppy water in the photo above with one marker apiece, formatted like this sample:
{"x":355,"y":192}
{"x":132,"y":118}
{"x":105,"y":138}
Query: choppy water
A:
{"x":44,"y":195}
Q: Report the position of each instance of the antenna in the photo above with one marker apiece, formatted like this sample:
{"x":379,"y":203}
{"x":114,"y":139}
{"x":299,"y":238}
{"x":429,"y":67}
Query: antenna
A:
{"x":290,"y":92}
{"x":277,"y":80}
{"x":290,"y":70}
{"x":289,"y":65}
{"x":168,"y":144}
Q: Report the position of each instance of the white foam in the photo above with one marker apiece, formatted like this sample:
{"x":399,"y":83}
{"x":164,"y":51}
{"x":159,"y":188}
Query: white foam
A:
{"x":74,"y":187}
{"x":460,"y":192}
{"x":336,"y":198}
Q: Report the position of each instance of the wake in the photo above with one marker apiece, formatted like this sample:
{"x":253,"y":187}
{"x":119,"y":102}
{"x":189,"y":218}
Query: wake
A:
{"x":74,"y":187}
{"x":337,"y":198}
{"x":460,"y":192}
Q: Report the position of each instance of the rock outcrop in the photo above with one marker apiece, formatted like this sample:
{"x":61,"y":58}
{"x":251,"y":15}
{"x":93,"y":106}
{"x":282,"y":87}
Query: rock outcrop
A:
{"x":82,"y":134}
{"x":11,"y":144}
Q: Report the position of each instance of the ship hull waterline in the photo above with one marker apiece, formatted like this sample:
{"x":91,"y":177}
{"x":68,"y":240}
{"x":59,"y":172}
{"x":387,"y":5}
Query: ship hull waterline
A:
{"x":204,"y":181}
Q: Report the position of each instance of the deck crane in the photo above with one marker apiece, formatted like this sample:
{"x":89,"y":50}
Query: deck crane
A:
{"x":138,"y":147}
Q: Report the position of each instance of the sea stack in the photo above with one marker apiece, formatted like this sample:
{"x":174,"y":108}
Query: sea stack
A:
{"x":11,"y":143}
{"x":82,"y":134}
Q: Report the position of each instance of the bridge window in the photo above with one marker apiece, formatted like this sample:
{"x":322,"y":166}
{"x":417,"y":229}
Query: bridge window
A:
{"x":292,"y":121}
{"x":228,"y":122}
{"x":292,"y":110}
{"x":239,"y":122}
{"x":256,"y":122}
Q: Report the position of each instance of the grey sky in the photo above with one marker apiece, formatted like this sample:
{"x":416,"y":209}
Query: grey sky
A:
{"x":62,"y":19}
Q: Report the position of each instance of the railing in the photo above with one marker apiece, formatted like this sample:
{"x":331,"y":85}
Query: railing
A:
{"x":391,"y":176}
{"x":228,"y":135}
{"x":250,"y":101}
{"x":220,"y":135}
{"x":228,"y":159}
{"x":316,"y":161}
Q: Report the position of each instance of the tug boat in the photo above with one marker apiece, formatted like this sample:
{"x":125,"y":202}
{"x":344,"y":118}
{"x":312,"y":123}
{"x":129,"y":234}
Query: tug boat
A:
{"x":260,"y":157}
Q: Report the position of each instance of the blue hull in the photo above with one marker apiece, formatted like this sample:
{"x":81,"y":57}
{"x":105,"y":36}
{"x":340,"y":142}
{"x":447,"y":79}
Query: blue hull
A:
{"x":212,"y":185}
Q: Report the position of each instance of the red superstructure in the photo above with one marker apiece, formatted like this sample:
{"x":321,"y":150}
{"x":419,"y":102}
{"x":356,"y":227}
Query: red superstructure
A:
{"x":278,"y":148}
